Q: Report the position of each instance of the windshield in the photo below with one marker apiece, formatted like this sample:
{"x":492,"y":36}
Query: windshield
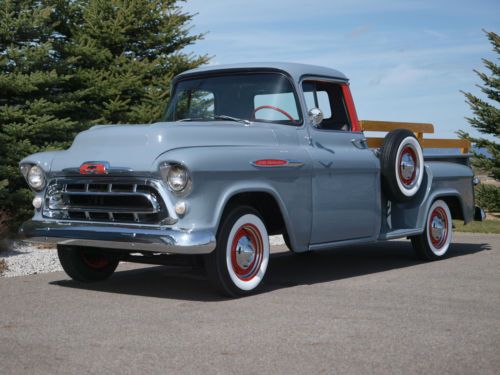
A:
{"x":265,"y":97}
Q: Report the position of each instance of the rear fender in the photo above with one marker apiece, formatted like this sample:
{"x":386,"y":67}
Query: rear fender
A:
{"x":440,"y":182}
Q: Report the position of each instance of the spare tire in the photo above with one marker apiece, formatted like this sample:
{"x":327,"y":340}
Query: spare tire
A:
{"x":402,"y":165}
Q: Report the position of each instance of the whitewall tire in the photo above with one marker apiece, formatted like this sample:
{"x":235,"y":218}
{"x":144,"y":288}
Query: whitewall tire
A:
{"x":239,"y":263}
{"x":409,"y":166}
{"x":402,"y":165}
{"x":435,"y":241}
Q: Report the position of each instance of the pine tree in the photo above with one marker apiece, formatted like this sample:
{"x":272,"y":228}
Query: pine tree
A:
{"x":66,"y":65}
{"x":487,"y":114}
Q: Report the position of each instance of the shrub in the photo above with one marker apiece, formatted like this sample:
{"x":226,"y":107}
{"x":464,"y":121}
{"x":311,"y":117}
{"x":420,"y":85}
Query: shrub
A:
{"x":3,"y":266}
{"x":488,"y":197}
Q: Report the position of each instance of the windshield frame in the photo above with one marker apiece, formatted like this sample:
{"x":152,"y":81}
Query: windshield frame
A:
{"x":232,"y":72}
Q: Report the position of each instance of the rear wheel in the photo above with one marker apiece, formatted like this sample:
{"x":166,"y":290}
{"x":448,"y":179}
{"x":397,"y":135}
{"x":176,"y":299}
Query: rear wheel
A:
{"x":434,"y":242}
{"x":86,"y":264}
{"x":238,"y":265}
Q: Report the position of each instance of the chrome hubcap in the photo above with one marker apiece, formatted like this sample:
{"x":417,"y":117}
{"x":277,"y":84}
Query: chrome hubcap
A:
{"x":407,"y":166}
{"x":437,"y":229}
{"x":245,"y":252}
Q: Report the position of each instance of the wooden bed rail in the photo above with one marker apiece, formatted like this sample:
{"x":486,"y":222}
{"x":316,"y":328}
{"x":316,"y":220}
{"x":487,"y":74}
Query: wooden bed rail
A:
{"x":418,"y":128}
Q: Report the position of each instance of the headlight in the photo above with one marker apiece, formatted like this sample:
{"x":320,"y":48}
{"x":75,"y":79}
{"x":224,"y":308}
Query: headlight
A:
{"x":36,"y":178}
{"x":176,"y":176}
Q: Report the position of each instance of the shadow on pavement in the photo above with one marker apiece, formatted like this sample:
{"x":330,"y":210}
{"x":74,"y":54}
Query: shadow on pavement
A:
{"x":285,"y":270}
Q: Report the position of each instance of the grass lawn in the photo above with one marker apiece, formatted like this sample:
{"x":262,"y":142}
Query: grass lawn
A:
{"x":488,"y":226}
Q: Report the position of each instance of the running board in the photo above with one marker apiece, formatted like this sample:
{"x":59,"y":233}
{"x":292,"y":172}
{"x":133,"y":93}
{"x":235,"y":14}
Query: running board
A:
{"x":399,"y":233}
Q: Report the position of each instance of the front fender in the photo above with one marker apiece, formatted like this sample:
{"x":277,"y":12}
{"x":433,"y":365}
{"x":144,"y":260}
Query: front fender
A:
{"x":220,"y":173}
{"x":42,"y":159}
{"x":298,"y":230}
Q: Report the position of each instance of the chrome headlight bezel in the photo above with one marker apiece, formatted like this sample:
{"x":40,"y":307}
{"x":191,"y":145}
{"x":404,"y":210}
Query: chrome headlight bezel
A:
{"x":176,"y":176}
{"x":35,"y":176}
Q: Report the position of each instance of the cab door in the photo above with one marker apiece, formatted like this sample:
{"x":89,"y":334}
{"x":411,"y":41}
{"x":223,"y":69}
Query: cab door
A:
{"x":346,"y":173}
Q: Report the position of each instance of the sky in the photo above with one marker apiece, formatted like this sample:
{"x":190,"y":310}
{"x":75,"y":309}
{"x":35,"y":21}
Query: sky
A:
{"x":406,"y":60}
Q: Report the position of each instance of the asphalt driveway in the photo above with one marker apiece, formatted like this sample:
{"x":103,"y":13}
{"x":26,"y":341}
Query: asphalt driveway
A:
{"x":370,"y":309}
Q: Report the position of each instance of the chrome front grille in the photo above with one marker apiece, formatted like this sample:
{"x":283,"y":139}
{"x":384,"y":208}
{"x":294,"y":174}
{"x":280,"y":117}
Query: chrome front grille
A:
{"x":105,"y":201}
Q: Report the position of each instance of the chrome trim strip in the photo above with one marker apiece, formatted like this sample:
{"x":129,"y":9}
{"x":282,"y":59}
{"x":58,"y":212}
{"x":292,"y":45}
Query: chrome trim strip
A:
{"x":108,"y":193}
{"x":288,"y":164}
{"x":126,"y":238}
{"x":294,"y":164}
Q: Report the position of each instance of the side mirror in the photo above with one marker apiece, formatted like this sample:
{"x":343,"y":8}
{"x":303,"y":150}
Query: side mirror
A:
{"x":315,"y":116}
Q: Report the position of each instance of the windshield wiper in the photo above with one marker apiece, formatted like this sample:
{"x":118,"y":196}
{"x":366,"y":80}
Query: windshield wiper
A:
{"x":218,"y":117}
{"x":191,"y":119}
{"x":231,"y":118}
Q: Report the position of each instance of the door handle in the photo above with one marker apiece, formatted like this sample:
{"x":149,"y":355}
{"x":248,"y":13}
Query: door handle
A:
{"x":359,"y":143}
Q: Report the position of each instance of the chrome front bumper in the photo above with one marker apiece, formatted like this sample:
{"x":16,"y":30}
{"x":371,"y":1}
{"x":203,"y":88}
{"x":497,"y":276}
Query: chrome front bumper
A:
{"x":120,"y":237}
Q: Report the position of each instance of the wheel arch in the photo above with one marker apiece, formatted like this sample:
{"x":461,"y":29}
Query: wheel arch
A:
{"x":452,"y":198}
{"x":433,"y":189}
{"x":267,"y":202}
{"x":455,"y":205}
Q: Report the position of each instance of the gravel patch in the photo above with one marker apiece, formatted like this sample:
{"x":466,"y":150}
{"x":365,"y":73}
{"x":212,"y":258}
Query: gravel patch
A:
{"x":27,"y":259}
{"x":23,"y":259}
{"x":276,"y":240}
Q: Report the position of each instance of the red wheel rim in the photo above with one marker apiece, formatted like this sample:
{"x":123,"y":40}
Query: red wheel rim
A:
{"x":408,"y":163}
{"x":96,"y":261}
{"x":438,"y":227}
{"x":247,"y":250}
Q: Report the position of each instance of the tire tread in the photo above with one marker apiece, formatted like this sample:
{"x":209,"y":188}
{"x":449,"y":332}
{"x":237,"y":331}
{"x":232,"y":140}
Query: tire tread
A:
{"x":72,"y":263}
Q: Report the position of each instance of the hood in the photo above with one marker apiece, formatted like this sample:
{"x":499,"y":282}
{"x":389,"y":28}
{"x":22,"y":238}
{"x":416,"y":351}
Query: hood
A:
{"x":138,"y":146}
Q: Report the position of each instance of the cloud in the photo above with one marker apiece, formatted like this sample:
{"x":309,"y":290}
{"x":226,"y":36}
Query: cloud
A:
{"x":404,"y":75}
{"x":436,"y":34}
{"x":359,"y":31}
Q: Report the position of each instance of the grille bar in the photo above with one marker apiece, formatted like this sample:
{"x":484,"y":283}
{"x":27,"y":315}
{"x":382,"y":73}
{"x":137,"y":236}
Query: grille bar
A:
{"x":154,"y":206}
{"x":108,"y":201}
{"x":109,"y":210}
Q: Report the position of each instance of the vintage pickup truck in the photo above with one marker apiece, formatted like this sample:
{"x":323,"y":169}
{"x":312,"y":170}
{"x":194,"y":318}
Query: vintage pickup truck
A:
{"x":244,"y":152}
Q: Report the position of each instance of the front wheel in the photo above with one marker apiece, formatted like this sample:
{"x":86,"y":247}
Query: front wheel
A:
{"x":86,"y":264}
{"x":239,"y":263}
{"x":434,"y":242}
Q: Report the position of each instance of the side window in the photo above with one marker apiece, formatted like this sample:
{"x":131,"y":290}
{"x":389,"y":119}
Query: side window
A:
{"x":324,"y":104}
{"x":195,"y":104}
{"x":329,"y":98}
{"x":284,"y":101}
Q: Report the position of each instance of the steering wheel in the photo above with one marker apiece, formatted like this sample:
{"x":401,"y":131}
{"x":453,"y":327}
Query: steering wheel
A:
{"x":276,"y":109}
